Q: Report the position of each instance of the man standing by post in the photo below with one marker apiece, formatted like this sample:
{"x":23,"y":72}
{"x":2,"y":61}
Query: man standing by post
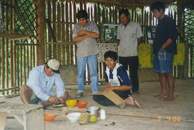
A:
{"x":130,"y":35}
{"x":164,"y":48}
{"x":85,"y":33}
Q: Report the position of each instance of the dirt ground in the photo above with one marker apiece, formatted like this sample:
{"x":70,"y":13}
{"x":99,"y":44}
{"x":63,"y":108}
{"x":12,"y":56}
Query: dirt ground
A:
{"x":156,"y":114}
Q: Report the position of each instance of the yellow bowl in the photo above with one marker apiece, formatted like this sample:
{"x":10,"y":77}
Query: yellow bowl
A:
{"x":71,"y":103}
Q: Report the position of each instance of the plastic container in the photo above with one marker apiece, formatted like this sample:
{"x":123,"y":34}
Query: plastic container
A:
{"x":71,"y":103}
{"x":49,"y":117}
{"x":82,"y":104}
{"x":74,"y":116}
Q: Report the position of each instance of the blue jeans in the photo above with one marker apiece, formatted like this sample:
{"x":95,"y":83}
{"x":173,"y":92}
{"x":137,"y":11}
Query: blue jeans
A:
{"x":81,"y":67}
{"x":163,"y":62}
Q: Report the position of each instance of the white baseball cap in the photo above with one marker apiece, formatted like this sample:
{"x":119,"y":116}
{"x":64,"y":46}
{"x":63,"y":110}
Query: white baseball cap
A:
{"x":54,"y":65}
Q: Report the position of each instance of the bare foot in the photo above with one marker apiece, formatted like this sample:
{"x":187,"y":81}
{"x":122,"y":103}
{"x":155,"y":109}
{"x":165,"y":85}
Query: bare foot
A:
{"x":168,"y":99}
{"x":160,"y":96}
{"x":131,"y":101}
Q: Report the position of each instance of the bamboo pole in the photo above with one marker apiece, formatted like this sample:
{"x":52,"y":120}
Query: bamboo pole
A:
{"x":63,"y":32}
{"x":67,"y":32}
{"x":59,"y":30}
{"x":54,"y":26}
{"x":49,"y":31}
{"x":71,"y":31}
{"x":6,"y":51}
{"x":75,"y":22}
{"x":13,"y":65}
{"x":2,"y":65}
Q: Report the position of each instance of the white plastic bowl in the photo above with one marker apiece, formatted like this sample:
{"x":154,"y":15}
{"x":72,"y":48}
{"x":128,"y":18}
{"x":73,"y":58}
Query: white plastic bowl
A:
{"x":74,"y":116}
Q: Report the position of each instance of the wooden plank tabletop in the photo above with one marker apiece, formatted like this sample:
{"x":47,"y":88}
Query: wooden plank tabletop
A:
{"x":16,"y":108}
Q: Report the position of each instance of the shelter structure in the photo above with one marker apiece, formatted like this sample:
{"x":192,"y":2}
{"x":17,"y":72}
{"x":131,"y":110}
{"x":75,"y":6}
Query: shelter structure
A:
{"x":33,"y":31}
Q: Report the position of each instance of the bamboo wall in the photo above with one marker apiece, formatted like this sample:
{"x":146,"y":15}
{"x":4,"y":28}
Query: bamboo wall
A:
{"x":17,"y":57}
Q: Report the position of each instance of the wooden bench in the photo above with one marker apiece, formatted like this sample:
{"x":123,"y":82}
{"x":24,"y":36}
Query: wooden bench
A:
{"x":30,"y":116}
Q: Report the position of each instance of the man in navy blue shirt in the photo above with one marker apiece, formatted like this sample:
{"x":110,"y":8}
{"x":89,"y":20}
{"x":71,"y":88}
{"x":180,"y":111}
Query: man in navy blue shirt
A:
{"x":118,"y":82}
{"x":164,"y":48}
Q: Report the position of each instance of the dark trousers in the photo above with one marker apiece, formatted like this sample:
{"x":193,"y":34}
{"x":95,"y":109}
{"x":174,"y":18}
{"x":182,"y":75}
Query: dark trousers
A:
{"x":102,"y":100}
{"x":133,"y":64}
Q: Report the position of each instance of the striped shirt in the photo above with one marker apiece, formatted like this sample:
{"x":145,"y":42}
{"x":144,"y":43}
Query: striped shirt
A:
{"x":88,"y":46}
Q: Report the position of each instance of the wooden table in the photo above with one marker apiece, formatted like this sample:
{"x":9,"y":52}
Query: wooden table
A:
{"x":29,"y":115}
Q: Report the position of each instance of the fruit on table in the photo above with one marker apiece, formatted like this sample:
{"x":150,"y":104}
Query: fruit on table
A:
{"x":93,"y":118}
{"x":83,"y":118}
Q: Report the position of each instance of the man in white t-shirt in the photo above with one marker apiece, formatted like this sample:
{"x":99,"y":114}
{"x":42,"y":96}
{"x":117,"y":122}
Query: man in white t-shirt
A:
{"x":130,"y":36}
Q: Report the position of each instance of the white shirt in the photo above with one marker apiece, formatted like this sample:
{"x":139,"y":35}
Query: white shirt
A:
{"x":42,"y":85}
{"x":128,"y":39}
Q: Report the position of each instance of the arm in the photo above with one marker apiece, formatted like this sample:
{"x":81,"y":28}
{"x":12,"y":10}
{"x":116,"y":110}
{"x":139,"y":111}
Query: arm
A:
{"x":139,"y":34}
{"x":60,"y":88}
{"x":167,"y":43}
{"x":80,"y":38}
{"x":82,"y":35}
{"x":139,"y":40}
{"x":92,"y":34}
{"x":118,"y":88}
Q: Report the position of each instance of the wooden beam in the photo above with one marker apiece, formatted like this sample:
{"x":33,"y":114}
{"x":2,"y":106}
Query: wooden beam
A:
{"x":22,"y":20}
{"x":41,"y":29}
{"x":62,"y":43}
{"x":13,"y":36}
{"x":51,"y":30}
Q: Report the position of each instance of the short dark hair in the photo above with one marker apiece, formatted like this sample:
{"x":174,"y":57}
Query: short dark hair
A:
{"x":110,"y":54}
{"x":124,"y":11}
{"x":82,"y":14}
{"x":157,"y":5}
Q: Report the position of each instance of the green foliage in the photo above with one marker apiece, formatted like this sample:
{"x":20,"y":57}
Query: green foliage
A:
{"x":189,"y":26}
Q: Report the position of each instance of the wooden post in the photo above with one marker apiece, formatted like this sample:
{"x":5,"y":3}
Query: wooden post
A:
{"x":41,"y":32}
{"x":180,"y":11}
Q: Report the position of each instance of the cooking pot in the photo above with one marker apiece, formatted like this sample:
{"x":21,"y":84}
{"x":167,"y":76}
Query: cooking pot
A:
{"x":93,"y":110}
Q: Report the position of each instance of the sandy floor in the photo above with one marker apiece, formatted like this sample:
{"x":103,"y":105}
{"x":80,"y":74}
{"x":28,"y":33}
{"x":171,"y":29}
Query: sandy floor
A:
{"x":174,"y":115}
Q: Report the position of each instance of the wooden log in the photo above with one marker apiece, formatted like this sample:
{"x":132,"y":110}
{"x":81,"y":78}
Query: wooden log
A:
{"x":13,"y":36}
{"x":59,"y":30}
{"x":67,"y":31}
{"x":95,"y":12}
{"x":21,"y":18}
{"x":63,"y":32}
{"x":71,"y":31}
{"x":2,"y":65}
{"x":54,"y":26}
{"x":41,"y":32}
{"x":103,"y":15}
{"x":13,"y":67}
{"x":49,"y":28}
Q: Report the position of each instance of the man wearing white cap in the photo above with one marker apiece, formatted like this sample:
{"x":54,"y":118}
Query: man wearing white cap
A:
{"x":40,"y":82}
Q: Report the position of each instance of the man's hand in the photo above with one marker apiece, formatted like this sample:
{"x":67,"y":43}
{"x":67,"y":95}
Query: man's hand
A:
{"x":107,"y":90}
{"x":108,"y":85}
{"x":82,"y":33}
{"x":52,"y":99}
{"x":61,"y":100}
